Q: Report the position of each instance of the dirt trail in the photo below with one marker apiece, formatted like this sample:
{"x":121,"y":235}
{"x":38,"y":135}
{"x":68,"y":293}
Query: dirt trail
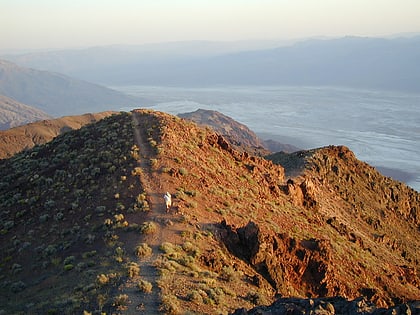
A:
{"x":149,"y":303}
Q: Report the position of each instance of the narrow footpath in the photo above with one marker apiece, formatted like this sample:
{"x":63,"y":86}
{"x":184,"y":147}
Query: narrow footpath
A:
{"x":147,"y":303}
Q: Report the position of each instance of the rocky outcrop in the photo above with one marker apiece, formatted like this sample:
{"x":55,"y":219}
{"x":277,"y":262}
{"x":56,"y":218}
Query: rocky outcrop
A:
{"x":330,"y":306}
{"x":293,"y":267}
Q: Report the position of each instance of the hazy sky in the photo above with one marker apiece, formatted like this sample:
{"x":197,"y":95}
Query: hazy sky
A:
{"x":38,"y":24}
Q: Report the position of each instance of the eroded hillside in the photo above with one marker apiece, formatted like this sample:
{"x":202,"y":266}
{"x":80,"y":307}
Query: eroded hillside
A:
{"x":84,"y":225}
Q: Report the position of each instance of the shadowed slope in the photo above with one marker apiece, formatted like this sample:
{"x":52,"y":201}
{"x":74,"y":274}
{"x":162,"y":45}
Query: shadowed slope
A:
{"x":27,"y":136}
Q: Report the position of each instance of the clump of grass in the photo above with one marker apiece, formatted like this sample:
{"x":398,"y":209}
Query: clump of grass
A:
{"x":143,"y":250}
{"x":145,"y":286}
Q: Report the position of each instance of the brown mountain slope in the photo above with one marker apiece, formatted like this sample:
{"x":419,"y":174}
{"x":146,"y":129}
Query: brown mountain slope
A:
{"x":13,"y":113}
{"x":27,"y":136}
{"x":84,"y":215}
{"x":239,"y":135}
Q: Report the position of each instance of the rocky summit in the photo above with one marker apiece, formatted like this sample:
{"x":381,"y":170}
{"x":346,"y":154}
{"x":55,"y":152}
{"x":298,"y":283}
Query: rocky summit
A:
{"x":85,"y":230}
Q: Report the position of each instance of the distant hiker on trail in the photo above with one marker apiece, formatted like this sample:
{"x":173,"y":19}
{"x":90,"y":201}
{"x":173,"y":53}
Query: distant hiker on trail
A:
{"x":168,"y":201}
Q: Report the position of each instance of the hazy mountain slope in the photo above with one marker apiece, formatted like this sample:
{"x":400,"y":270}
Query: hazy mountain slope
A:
{"x":351,"y":62}
{"x":13,"y":113}
{"x":370,"y":63}
{"x":80,"y":207}
{"x":27,"y":136}
{"x":57,"y":94}
{"x":108,"y":64}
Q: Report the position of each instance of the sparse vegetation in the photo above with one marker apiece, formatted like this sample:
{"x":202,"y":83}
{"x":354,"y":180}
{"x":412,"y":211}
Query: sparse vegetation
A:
{"x":77,"y":211}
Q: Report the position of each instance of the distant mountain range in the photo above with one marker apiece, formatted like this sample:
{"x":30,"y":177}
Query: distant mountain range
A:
{"x":359,"y":62}
{"x":57,"y":94}
{"x":13,"y":113}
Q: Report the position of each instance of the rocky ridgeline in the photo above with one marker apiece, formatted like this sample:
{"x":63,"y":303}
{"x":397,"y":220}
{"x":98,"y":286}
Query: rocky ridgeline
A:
{"x":330,"y":306}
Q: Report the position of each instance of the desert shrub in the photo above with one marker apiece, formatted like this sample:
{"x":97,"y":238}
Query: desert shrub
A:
{"x":121,"y":301}
{"x":256,"y":298}
{"x":81,"y":266}
{"x":152,"y":143}
{"x":170,"y":305}
{"x":18,"y":286}
{"x":145,"y":286}
{"x":89,"y":254}
{"x":133,"y":269}
{"x":195,"y":296}
{"x":192,"y":204}
{"x":168,"y":248}
{"x":16,"y":268}
{"x":183,"y":171}
{"x":137,"y":171}
{"x":51,"y":249}
{"x":135,"y":152}
{"x":141,"y":203}
{"x":69,"y":260}
{"x":68,"y":267}
{"x":102,"y":279}
{"x":119,"y":254}
{"x":230,"y":274}
{"x":143,"y":250}
{"x":148,"y":228}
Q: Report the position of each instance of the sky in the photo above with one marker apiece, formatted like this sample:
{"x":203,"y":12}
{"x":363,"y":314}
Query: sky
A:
{"x":58,"y":24}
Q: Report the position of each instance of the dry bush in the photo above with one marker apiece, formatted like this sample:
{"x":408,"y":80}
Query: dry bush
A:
{"x":143,"y":250}
{"x":145,"y":286}
{"x":148,"y":228}
{"x":133,"y":269}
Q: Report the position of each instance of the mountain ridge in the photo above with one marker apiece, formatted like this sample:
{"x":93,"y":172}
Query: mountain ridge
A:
{"x":88,"y":205}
